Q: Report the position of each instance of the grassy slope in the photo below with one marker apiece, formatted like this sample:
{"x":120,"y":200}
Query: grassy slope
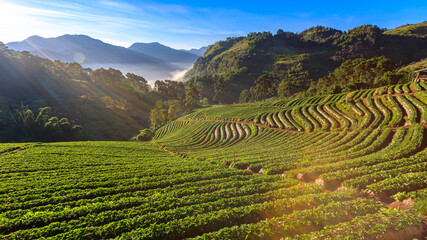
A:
{"x":413,"y":30}
{"x":94,"y":190}
{"x":416,"y":65}
{"x":372,"y":142}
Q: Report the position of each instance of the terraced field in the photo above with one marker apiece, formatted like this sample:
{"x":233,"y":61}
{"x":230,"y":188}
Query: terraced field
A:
{"x":368,"y":140}
{"x":313,"y":168}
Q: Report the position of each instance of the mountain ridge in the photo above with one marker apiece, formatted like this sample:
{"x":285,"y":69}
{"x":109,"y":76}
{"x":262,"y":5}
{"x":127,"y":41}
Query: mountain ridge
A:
{"x":165,"y":53}
{"x":94,"y":53}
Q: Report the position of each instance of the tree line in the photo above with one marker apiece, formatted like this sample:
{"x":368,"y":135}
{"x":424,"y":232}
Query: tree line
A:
{"x":356,"y":74}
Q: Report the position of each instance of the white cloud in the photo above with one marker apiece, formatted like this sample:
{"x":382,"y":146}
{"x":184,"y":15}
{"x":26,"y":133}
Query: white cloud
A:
{"x":204,"y":31}
{"x":118,"y":5}
{"x":17,"y":22}
{"x":167,"y":8}
{"x":60,"y":4}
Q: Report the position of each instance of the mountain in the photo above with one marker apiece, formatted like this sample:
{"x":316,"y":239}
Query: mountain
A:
{"x":94,"y":53}
{"x":166,"y":54}
{"x":299,"y":58}
{"x":199,"y":52}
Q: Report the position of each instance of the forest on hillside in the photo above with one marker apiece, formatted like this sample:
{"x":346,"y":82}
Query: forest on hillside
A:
{"x":101,"y":104}
{"x":302,"y":64}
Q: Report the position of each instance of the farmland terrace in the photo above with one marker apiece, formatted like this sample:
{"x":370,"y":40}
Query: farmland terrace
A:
{"x":345,"y":166}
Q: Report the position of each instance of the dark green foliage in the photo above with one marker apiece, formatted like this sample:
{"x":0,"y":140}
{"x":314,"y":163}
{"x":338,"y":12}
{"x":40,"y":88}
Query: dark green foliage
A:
{"x":138,"y":83}
{"x":192,"y":97}
{"x":144,"y":135}
{"x":359,"y":35}
{"x":108,"y":76}
{"x":359,"y":74}
{"x":170,"y":89}
{"x":27,"y":127}
{"x":319,"y":34}
{"x":166,"y":111}
{"x":263,"y":89}
{"x":219,"y":88}
{"x":108,"y":105}
{"x":181,"y":100}
{"x":159,"y":115}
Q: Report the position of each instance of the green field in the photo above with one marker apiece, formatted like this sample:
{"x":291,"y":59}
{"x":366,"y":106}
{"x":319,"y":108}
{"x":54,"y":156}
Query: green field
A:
{"x":313,"y":168}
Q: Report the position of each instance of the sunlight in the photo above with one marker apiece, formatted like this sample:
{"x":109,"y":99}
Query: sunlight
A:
{"x":178,"y":75}
{"x":79,"y":57}
{"x":19,"y":22}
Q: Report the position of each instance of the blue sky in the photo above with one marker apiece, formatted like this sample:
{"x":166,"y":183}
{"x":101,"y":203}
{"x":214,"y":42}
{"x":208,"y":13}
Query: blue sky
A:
{"x":192,"y":24}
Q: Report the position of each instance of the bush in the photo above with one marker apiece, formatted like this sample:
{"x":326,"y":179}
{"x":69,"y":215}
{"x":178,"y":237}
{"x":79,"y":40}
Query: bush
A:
{"x":144,"y":135}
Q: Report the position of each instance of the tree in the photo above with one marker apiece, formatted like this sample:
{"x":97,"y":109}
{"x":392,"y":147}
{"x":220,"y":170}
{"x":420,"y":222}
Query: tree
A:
{"x":285,"y":89}
{"x":138,"y":83}
{"x":244,"y":96}
{"x":25,"y":122}
{"x":165,"y":112}
{"x":144,"y":135}
{"x":358,"y":74}
{"x":170,"y":89}
{"x":192,"y":97}
{"x":263,"y":88}
{"x":219,"y":88}
{"x":107,"y":76}
{"x":44,"y":127}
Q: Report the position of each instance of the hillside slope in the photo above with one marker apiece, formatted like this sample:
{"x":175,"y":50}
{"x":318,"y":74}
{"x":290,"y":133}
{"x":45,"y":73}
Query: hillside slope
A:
{"x":326,"y":167}
{"x":372,"y":140}
{"x":413,"y":30}
{"x":301,"y":58}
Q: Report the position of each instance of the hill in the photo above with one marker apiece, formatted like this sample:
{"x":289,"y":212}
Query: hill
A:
{"x":343,"y":166}
{"x":95,"y":54}
{"x":416,"y":65}
{"x":182,"y":58}
{"x":110,"y":106}
{"x":299,"y":58}
{"x":412,"y":30}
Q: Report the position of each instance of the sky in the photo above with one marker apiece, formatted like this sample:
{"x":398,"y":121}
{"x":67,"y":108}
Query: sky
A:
{"x":186,"y":24}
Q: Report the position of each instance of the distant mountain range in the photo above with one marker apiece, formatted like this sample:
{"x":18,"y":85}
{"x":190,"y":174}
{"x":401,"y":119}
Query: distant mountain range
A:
{"x":167,"y":54}
{"x":199,"y":52}
{"x":152,"y":61}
